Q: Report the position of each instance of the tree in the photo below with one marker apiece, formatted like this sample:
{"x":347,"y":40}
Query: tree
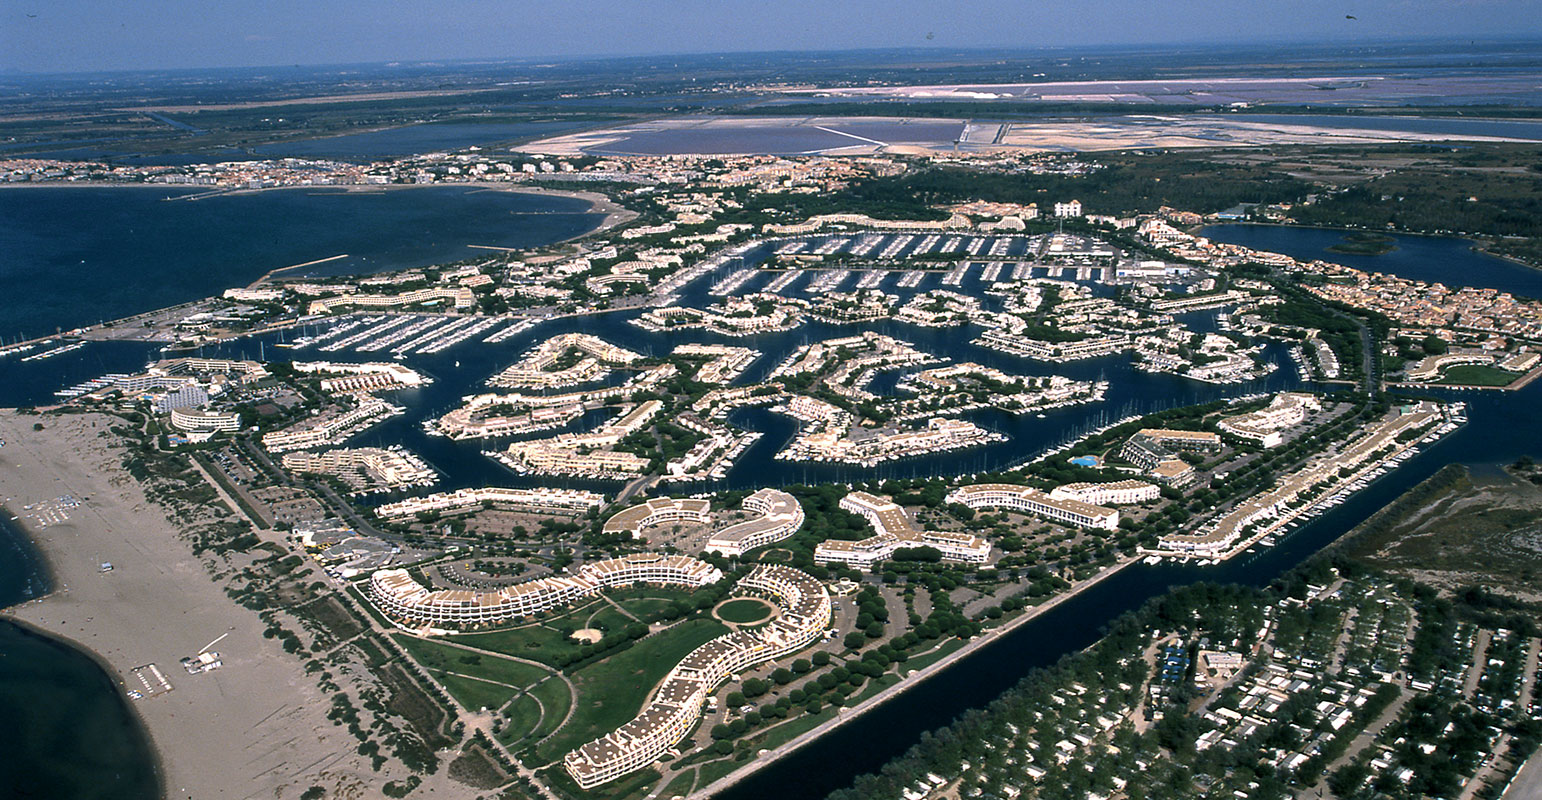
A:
{"x":855,"y":640}
{"x":821,"y":658}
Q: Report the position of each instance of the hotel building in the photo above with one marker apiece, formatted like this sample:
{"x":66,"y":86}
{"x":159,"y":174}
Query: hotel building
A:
{"x":466,"y":499}
{"x":676,"y":706}
{"x":389,"y":468}
{"x":196,"y":421}
{"x":780,"y":517}
{"x":895,"y":531}
{"x":460,"y":296}
{"x":401,"y":597}
{"x":1151,"y":446}
{"x":328,"y":429}
{"x":1266,"y":426}
{"x":657,"y":511}
{"x":1117,"y":493}
{"x":1032,"y":501}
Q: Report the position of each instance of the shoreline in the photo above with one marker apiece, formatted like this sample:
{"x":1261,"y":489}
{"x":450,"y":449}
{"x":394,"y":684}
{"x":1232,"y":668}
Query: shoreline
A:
{"x":766,"y":758}
{"x":1473,"y":244}
{"x":26,"y":538}
{"x":159,"y":604}
{"x":157,"y":756}
{"x":615,"y":215}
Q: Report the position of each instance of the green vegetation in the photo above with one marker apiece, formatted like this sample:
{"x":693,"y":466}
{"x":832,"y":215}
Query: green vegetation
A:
{"x":476,"y":693}
{"x":521,"y":720}
{"x":744,"y":611}
{"x":1128,"y":184}
{"x":1365,"y":244}
{"x":1457,"y":530}
{"x":555,"y":700}
{"x":437,"y":657}
{"x":535,"y":641}
{"x":1477,"y":375}
{"x":611,"y":691}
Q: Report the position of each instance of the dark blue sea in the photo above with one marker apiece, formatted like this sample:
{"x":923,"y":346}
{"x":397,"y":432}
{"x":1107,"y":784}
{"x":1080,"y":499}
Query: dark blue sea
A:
{"x":78,"y":256}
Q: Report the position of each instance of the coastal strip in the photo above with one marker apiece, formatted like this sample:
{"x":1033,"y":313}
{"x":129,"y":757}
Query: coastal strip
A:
{"x":156,"y":605}
{"x":266,"y":276}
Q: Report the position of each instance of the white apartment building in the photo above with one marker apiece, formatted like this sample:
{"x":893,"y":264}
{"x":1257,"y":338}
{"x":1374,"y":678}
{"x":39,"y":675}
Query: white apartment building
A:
{"x":657,"y":511}
{"x":1033,"y":501}
{"x":1117,"y":493}
{"x":1071,"y":209}
{"x":677,"y":704}
{"x":465,"y":499}
{"x":780,"y":516}
{"x":402,"y":598}
{"x":894,"y":530}
{"x":197,"y":421}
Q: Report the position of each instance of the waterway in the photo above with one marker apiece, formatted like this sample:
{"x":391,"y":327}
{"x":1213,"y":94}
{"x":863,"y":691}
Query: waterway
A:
{"x":80,"y":255}
{"x":1442,"y":259}
{"x":1502,"y":428}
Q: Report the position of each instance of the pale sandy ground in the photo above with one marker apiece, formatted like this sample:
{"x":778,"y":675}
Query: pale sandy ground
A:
{"x":257,"y":727}
{"x":1048,"y":136}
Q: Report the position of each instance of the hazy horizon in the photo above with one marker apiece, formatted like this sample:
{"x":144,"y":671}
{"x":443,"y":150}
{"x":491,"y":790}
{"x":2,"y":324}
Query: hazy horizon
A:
{"x":78,"y":36}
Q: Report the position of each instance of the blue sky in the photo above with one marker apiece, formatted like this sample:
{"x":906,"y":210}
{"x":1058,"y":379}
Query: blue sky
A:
{"x":89,"y":35}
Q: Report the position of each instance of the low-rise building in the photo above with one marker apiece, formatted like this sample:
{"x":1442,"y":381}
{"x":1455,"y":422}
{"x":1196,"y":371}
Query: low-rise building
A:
{"x":1032,"y":501}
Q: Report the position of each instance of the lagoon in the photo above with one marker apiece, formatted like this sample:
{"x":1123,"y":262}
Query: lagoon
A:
{"x":81,"y":255}
{"x":1443,"y":259}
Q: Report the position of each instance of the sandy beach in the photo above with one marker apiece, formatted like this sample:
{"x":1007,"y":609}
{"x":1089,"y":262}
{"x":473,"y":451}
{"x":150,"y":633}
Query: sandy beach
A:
{"x":255,"y":728}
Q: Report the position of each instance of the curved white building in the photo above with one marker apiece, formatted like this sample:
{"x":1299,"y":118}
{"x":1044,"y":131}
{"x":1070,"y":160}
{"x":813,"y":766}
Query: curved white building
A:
{"x":194,"y":420}
{"x":677,"y":704}
{"x":1117,"y":493}
{"x":780,"y":517}
{"x":464,"y":499}
{"x":1033,"y":501}
{"x":657,"y":511}
{"x":401,"y":597}
{"x":893,"y":531}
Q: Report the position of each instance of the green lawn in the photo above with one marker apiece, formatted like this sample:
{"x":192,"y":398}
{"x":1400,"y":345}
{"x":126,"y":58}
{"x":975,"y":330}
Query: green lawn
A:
{"x":535,"y":642}
{"x":744,"y":610}
{"x":475,"y":694}
{"x":713,"y":770}
{"x":785,"y":732}
{"x":612,"y":691}
{"x":1478,"y":375}
{"x":680,"y":786}
{"x":522,"y":719}
{"x":556,"y":699}
{"x":610,"y":619}
{"x":926,"y":660}
{"x":647,"y":609}
{"x":444,"y":658}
